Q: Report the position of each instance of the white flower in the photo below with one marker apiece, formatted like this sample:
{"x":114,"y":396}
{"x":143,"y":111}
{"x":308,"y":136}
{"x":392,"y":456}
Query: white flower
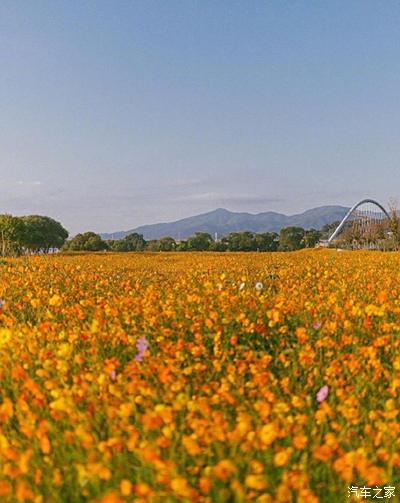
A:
{"x":242,"y":285}
{"x":259,"y":286}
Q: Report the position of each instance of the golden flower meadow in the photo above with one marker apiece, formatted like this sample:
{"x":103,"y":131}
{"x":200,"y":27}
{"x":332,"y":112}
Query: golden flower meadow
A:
{"x":195,"y":377}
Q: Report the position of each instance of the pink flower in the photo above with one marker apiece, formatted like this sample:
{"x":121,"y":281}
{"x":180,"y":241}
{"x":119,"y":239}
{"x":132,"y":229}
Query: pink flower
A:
{"x":322,"y":393}
{"x":141,"y":345}
{"x":317,"y":325}
{"x":113,"y":375}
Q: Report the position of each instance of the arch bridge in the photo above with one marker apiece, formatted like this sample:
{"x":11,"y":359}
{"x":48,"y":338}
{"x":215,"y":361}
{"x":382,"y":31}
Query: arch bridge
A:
{"x":367,"y":221}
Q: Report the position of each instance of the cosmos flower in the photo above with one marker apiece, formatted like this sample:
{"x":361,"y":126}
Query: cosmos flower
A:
{"x":322,"y":394}
{"x":227,"y":369}
{"x":141,"y":345}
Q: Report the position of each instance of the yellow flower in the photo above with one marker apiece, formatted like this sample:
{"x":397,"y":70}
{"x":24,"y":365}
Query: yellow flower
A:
{"x":268,"y":434}
{"x":257,"y":482}
{"x":61,"y":404}
{"x":180,"y":486}
{"x":125,"y":487}
{"x":64,"y":350}
{"x":5,"y":336}
{"x":55,"y":300}
{"x":282,"y":457}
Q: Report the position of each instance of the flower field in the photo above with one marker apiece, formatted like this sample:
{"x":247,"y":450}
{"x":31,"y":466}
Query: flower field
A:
{"x":199,"y":377}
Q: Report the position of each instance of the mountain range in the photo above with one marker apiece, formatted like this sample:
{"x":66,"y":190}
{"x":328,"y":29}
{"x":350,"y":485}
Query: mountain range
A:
{"x":223,"y":222}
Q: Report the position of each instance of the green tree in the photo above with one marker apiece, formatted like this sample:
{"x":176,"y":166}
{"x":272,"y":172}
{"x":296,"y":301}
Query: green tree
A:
{"x":328,"y":229}
{"x":291,"y":238}
{"x":218,"y":246}
{"x":266,"y":241}
{"x":88,"y":241}
{"x":201,"y":241}
{"x":42,"y":233}
{"x":182,"y":246}
{"x":394,"y":225}
{"x":131,"y":242}
{"x":11,"y":235}
{"x":152,"y":245}
{"x":311,"y":238}
{"x":166,"y":244}
{"x":240,"y":241}
{"x":163,"y":244}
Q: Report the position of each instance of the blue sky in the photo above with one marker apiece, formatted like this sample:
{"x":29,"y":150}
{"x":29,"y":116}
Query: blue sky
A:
{"x":120,"y":113}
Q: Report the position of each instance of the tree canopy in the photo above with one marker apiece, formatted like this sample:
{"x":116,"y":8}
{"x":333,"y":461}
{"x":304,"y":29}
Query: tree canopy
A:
{"x":87,"y":241}
{"x":33,"y":233}
{"x":131,"y":242}
{"x":43,"y":233}
{"x":201,"y":241}
{"x":291,"y":238}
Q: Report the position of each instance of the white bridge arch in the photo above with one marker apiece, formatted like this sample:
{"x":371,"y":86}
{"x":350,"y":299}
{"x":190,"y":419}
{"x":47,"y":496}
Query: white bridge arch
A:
{"x":352,"y":211}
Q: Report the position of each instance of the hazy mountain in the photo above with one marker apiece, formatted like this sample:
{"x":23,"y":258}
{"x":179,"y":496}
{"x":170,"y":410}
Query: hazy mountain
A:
{"x":223,"y":222}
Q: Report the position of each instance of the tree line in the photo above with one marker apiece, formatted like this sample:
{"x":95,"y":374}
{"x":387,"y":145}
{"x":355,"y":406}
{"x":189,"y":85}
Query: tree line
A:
{"x":42,"y":234}
{"x":288,"y":239}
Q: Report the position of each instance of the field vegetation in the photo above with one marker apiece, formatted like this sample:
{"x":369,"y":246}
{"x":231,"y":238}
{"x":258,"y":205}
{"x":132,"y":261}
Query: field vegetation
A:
{"x":199,"y":377}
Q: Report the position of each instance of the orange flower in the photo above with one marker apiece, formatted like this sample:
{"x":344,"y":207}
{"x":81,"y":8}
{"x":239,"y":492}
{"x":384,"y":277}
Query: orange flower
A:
{"x":23,"y":492}
{"x":142,"y":489}
{"x":6,"y":410}
{"x":45,"y":446}
{"x":300,"y":442}
{"x":301,"y":334}
{"x":191,"y":446}
{"x":224,"y":469}
{"x":322,"y":453}
{"x":111,"y":497}
{"x":205,"y":485}
{"x":5,"y":488}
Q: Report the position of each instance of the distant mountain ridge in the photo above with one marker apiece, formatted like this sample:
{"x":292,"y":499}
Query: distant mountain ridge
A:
{"x":223,"y":222}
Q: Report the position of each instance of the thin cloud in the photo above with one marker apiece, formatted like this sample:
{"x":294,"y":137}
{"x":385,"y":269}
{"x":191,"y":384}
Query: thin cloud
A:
{"x":9,"y":184}
{"x":29,"y":183}
{"x":215,"y":197}
{"x":183,"y":184}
